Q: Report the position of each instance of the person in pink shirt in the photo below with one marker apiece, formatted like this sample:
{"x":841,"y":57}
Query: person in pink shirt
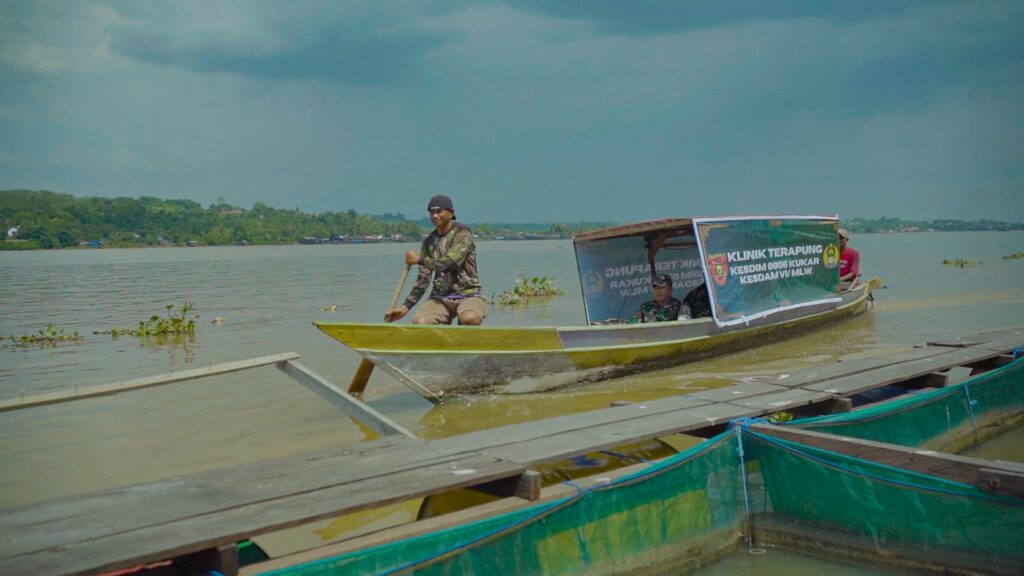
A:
{"x":849,"y":262}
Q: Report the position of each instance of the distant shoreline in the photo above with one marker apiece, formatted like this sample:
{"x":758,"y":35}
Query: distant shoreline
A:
{"x":8,"y":245}
{"x":50,"y":220}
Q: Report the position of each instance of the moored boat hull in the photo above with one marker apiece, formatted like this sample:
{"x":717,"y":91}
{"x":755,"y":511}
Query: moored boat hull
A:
{"x":439,"y":361}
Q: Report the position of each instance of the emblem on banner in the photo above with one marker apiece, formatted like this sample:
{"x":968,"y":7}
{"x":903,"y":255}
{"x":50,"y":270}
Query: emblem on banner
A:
{"x":592,"y":283}
{"x":830,"y":256}
{"x":718,"y":267}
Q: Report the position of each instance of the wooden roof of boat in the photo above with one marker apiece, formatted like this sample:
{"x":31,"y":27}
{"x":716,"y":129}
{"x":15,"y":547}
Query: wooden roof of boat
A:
{"x":682,"y":225}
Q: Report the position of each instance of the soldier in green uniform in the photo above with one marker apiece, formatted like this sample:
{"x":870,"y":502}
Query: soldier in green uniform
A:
{"x":698,"y":301}
{"x":664,"y":307}
{"x":448,"y":255}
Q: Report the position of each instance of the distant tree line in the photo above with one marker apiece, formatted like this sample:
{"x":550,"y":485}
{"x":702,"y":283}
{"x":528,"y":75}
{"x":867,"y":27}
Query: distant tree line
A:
{"x":54,"y":220}
{"x":883,"y":224}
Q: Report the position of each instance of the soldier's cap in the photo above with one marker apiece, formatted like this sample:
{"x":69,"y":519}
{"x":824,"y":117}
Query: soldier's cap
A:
{"x":441,"y":202}
{"x":844,"y":234}
{"x":662,"y":280}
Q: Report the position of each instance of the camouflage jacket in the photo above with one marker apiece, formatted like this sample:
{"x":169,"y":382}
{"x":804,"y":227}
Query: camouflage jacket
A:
{"x":651,"y":311}
{"x":699,"y":302}
{"x":451,"y":260}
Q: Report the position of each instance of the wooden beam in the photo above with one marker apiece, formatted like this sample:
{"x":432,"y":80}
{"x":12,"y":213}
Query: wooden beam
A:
{"x":1006,"y":481}
{"x":529,"y":485}
{"x":1002,"y":360}
{"x":949,"y":466}
{"x":951,"y":377}
{"x":840,"y":405}
{"x":526,"y":486}
{"x":223,"y":559}
{"x":348,"y":403}
{"x":140,"y":383}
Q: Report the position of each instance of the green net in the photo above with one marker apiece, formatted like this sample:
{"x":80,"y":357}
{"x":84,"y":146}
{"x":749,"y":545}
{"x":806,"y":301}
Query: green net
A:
{"x":872,"y":512}
{"x":935,"y":419}
{"x":689,"y":509}
{"x":673,"y":514}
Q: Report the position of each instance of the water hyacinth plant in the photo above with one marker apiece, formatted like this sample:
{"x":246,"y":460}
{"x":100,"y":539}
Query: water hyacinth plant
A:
{"x":175,"y":323}
{"x":527,"y":289}
{"x":961,"y":262}
{"x":48,"y":337}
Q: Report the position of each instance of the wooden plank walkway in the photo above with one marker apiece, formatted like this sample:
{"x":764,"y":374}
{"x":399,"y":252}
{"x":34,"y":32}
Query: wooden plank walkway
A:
{"x":128,"y":526}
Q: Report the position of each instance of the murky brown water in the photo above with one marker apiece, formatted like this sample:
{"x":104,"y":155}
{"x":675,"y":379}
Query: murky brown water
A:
{"x":267,"y":297}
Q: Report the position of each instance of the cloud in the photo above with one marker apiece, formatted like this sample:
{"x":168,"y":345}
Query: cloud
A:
{"x":671,"y":16}
{"x":520,"y":110}
{"x":46,"y":36}
{"x":268,"y":41}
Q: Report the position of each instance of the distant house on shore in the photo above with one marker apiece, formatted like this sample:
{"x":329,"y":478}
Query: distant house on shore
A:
{"x":12,"y":231}
{"x":192,"y":243}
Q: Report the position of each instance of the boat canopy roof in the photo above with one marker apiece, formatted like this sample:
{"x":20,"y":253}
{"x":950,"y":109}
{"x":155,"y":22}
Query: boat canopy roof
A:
{"x":674,"y":227}
{"x":738,"y":268}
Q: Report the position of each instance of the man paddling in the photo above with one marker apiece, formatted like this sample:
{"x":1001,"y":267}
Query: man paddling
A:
{"x":449,"y":255}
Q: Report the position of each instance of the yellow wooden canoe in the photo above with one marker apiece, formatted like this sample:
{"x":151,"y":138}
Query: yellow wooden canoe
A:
{"x":439,"y":360}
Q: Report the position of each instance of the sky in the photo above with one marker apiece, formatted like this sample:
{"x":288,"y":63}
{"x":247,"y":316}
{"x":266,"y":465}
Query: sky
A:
{"x":523,"y":110}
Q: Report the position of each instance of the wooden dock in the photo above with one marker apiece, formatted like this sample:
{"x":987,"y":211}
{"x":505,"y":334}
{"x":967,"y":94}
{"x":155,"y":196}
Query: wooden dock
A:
{"x":198,"y":518}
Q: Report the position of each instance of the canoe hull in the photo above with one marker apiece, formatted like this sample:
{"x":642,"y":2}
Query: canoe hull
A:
{"x":439,"y":361}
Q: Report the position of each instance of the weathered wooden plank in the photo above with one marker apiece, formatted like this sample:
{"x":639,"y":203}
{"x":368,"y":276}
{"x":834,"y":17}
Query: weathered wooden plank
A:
{"x":123,"y":549}
{"x":571,"y":442}
{"x":949,"y":466}
{"x":140,"y":383}
{"x":844,"y":368}
{"x":737,"y":391}
{"x":877,"y":378}
{"x":785,"y":400}
{"x":348,"y":404}
{"x":528,"y":431}
{"x":66,"y":520}
{"x":1007,"y":344}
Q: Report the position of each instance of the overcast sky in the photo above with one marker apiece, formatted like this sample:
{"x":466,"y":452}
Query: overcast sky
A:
{"x":523,"y":110}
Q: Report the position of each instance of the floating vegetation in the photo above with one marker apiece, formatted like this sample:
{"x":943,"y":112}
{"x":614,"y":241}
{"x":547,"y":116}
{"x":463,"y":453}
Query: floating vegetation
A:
{"x":175,"y":323}
{"x":961,"y":262}
{"x":48,"y":337}
{"x":1014,"y":256}
{"x":780,"y":417}
{"x":526,"y":289}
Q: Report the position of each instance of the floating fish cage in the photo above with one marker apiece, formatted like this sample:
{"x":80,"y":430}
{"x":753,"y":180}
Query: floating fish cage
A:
{"x":752,"y":487}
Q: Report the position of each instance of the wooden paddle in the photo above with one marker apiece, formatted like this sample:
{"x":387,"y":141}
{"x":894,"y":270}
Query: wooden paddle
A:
{"x":362,"y":375}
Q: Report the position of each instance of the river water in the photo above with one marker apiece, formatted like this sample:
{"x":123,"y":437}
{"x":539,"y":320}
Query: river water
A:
{"x":267,"y":297}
